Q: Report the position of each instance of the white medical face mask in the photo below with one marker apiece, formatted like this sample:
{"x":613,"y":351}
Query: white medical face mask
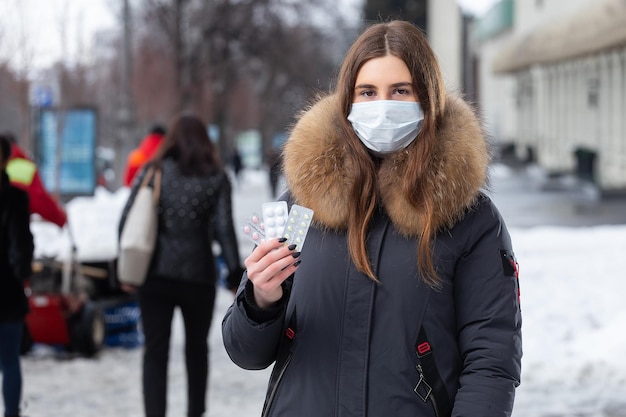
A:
{"x":386,"y":126}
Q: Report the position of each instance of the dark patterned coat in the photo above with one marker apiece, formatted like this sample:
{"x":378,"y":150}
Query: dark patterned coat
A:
{"x":193,"y":212}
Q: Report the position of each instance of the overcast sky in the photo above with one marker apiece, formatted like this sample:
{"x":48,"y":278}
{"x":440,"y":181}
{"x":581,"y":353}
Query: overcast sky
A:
{"x":43,"y":23}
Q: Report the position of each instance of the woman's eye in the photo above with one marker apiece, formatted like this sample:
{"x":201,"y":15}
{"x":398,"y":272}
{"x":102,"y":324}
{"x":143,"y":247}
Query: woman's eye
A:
{"x":402,"y":91}
{"x":367,"y":93}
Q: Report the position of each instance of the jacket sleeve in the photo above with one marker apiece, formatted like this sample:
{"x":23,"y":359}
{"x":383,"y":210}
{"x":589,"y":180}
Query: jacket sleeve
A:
{"x":133,"y":163}
{"x":25,"y":175}
{"x":225,"y":234}
{"x":251,"y":344}
{"x":21,"y":245}
{"x":488,"y":318}
{"x":42,"y":203}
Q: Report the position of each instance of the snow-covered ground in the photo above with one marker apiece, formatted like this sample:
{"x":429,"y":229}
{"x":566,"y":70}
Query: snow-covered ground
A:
{"x":574,"y":317}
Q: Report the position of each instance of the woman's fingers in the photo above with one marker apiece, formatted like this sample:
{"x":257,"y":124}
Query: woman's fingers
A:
{"x":268,"y":266}
{"x":131,"y":289}
{"x":266,"y":255}
{"x":264,"y":248}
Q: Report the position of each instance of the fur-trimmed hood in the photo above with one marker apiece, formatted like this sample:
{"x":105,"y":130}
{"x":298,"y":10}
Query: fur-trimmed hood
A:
{"x":319,"y":175}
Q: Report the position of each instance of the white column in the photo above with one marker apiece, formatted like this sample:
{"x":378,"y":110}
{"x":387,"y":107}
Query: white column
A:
{"x":540,"y":99}
{"x":617,"y":115}
{"x":580,"y":102}
{"x":603,"y":138}
{"x":550,"y":112}
{"x":622,"y":117}
{"x":560,"y":144}
{"x":569,"y":108}
{"x":534,"y":77}
{"x":593,"y":118}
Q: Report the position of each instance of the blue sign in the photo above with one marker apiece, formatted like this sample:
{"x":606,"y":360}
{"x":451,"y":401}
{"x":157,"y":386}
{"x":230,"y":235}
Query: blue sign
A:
{"x":43,"y":96}
{"x":73,"y":151}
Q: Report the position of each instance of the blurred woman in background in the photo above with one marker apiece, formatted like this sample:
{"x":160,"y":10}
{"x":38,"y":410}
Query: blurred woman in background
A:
{"x":194,"y":210}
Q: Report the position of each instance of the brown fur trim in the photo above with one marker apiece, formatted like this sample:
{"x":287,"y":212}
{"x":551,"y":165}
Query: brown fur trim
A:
{"x":319,"y":176}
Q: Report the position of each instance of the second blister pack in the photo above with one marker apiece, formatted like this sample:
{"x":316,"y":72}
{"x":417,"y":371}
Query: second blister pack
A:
{"x":298,"y":224}
{"x":254,"y":229}
{"x":278,"y":221}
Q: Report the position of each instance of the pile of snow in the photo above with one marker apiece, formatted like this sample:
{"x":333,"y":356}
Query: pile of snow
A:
{"x":92,"y":228}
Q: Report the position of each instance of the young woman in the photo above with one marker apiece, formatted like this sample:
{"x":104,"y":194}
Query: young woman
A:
{"x":405,"y":302}
{"x":194,"y":210}
{"x":16,"y":255}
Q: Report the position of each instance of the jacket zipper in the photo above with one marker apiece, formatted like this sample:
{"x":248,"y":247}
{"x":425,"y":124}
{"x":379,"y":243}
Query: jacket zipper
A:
{"x":428,"y":395}
{"x":270,"y":398}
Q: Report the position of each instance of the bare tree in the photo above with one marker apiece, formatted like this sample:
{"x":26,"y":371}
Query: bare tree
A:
{"x":26,"y":54}
{"x":288,"y":73}
{"x":160,"y":64}
{"x":8,"y":87}
{"x":241,"y":64}
{"x":10,"y":113}
{"x":412,"y":10}
{"x":217,"y":46}
{"x":71,"y":77}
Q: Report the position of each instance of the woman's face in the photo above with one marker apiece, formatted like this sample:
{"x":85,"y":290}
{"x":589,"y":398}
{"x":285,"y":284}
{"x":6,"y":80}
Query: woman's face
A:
{"x":384,"y":78}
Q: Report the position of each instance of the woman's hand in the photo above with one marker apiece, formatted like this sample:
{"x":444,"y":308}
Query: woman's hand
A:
{"x":131,"y":289}
{"x":268,"y":266}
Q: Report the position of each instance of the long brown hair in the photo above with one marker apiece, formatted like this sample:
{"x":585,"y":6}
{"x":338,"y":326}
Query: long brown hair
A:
{"x":407,"y":42}
{"x":187,"y":141}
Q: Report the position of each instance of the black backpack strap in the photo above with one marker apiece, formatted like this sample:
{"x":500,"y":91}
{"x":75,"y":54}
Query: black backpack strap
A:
{"x":283,"y":358}
{"x":288,"y":338}
{"x":430,"y":385}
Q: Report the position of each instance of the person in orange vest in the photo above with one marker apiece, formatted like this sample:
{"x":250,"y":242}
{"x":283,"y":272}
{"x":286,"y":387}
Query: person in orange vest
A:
{"x":23,"y":174}
{"x":143,"y":153}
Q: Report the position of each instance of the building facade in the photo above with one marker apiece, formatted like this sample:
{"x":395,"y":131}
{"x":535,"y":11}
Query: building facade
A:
{"x":553,"y":85}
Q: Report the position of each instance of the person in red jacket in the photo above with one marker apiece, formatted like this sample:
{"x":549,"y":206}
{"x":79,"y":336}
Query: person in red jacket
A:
{"x":143,"y":153}
{"x":23,"y":173}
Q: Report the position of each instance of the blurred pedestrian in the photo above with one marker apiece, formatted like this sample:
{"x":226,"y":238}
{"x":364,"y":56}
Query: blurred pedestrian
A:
{"x":274,"y":164}
{"x":143,"y":153}
{"x":406,"y":301}
{"x":16,"y":254}
{"x":24,"y":174}
{"x":236,"y":163}
{"x":194,"y":210}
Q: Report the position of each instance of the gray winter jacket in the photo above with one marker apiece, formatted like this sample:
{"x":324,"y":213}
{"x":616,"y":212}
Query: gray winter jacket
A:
{"x":345,"y":346}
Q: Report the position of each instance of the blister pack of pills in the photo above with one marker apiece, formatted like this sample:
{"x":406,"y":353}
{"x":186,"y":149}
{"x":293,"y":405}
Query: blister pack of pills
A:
{"x":254,"y":229}
{"x":275,"y":218}
{"x":279,"y":221}
{"x":298,"y":224}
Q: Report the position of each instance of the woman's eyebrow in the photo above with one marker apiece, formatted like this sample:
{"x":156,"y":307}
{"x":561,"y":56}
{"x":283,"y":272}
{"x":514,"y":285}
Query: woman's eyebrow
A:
{"x":365,"y":86}
{"x":394,"y":85}
{"x":402,"y":84}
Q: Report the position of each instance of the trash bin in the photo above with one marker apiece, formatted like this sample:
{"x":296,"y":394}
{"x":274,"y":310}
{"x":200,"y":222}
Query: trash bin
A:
{"x":585,"y":163}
